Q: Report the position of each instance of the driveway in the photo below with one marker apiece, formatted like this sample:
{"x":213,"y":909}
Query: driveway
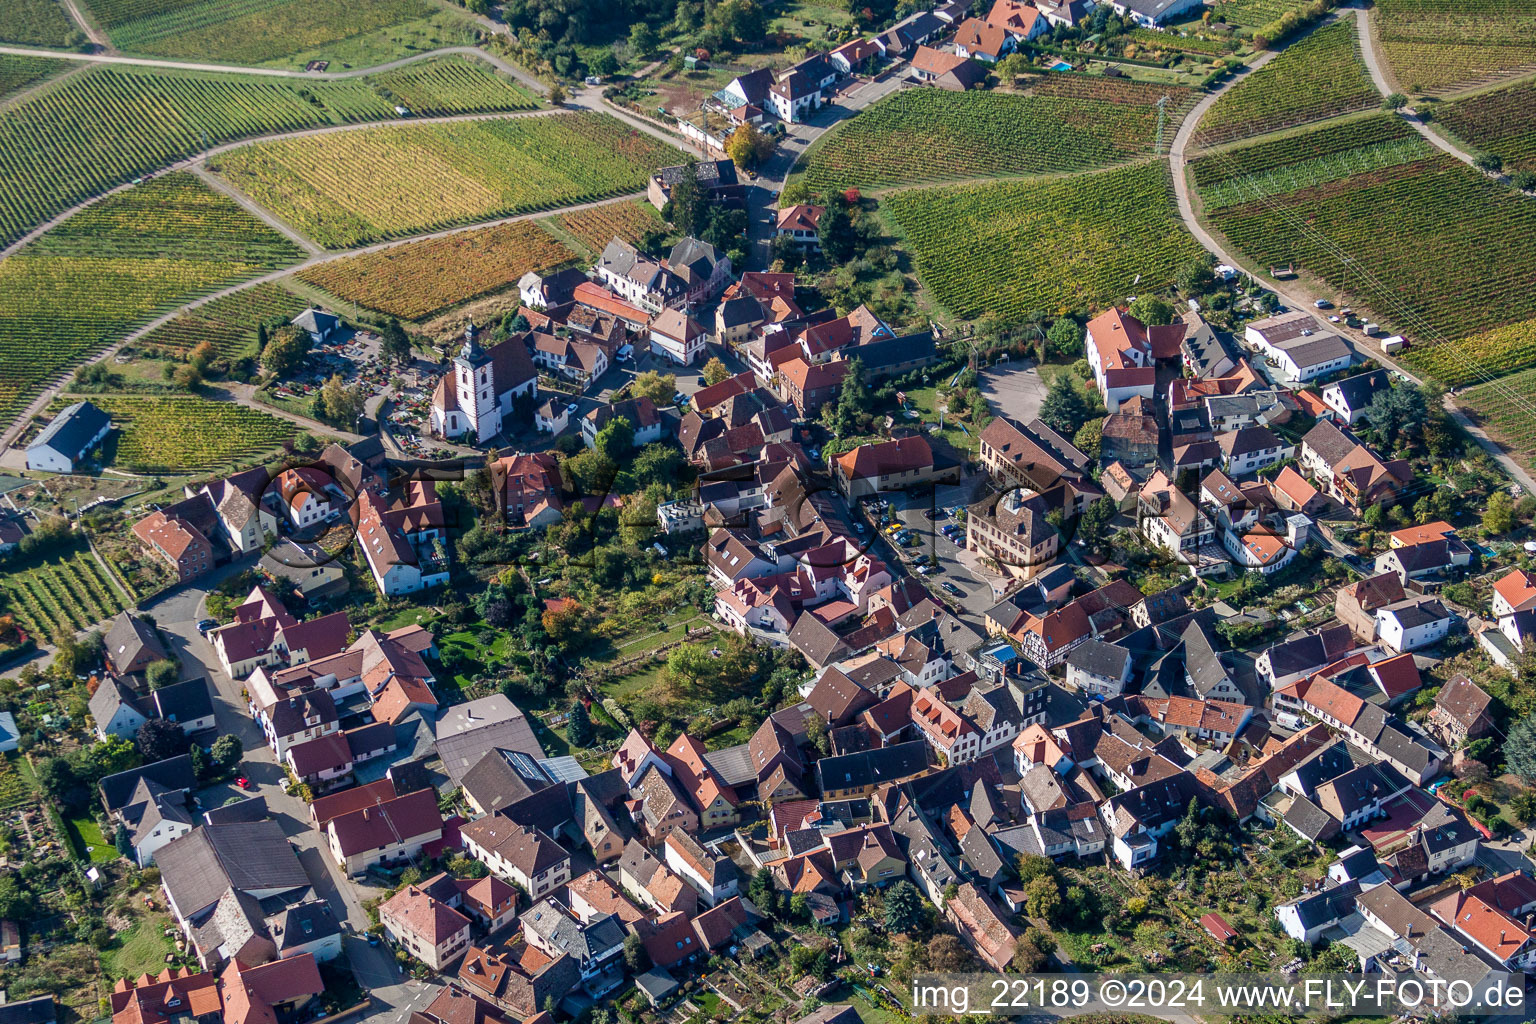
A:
{"x":1013,"y":389}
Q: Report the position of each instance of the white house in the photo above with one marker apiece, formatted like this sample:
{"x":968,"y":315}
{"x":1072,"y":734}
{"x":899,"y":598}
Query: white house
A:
{"x":1413,"y":623}
{"x":799,"y":223}
{"x":1251,"y":449}
{"x":68,"y":439}
{"x":1120,"y":356}
{"x":714,"y":877}
{"x":1153,"y":13}
{"x":553,"y":416}
{"x":320,"y":324}
{"x":482,"y":388}
{"x":1297,"y":346}
{"x":1350,"y":397}
{"x":1098,"y":668}
{"x":678,"y":337}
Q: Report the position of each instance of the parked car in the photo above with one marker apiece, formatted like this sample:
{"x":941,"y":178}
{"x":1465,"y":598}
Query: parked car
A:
{"x":1323,"y":304}
{"x":951,"y":588}
{"x":205,"y":625}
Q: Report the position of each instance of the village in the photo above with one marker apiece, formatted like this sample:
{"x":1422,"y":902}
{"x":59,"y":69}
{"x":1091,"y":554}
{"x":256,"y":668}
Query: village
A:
{"x":703,"y":630}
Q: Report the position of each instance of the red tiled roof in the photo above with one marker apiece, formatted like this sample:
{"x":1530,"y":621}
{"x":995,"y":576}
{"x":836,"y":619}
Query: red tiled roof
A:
{"x":387,"y":823}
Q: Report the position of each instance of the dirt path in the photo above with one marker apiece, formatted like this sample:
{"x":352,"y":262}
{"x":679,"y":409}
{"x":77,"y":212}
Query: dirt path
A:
{"x":87,"y":26}
{"x":255,"y":209}
{"x":245,"y":394}
{"x":1384,"y":86}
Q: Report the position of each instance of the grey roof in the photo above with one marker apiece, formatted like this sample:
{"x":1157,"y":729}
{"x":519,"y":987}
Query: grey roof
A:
{"x":884,"y":352}
{"x":715,"y":173}
{"x":1207,"y":351}
{"x":250,"y":809}
{"x":872,"y":767}
{"x":1019,"y":839}
{"x":502,"y":777}
{"x":1202,"y":664}
{"x":656,"y":983}
{"x":691,"y":252}
{"x":129,"y":636}
{"x":72,"y":430}
{"x":1148,"y":8}
{"x":1323,"y":766}
{"x":466,"y":732}
{"x":1329,"y":442}
{"x":1328,"y":906}
{"x":979,"y":855}
{"x":109,"y":696}
{"x":174,"y":773}
{"x":740,"y":311}
{"x":302,"y":923}
{"x":1100,"y":658}
{"x":184,"y":702}
{"x":197,"y":868}
{"x":1357,"y":391}
{"x":1318,"y":348}
{"x":1418,"y":611}
{"x":37,"y":1010}
{"x":316,"y":321}
{"x":732,"y":764}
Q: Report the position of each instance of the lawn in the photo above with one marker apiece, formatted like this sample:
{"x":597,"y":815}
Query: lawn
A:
{"x":1009,"y":249}
{"x":85,"y":836}
{"x":141,"y":949}
{"x":376,"y":183}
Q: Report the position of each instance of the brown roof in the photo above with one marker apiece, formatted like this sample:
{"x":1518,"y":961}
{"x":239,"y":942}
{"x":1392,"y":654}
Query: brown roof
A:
{"x":871,"y":461}
{"x":936,"y":62}
{"x":529,"y":850}
{"x":1463,"y":700}
{"x":427,"y":918}
{"x":387,"y":823}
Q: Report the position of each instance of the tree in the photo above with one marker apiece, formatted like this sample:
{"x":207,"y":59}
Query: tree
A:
{"x":591,"y":473}
{"x":715,"y":371}
{"x":56,"y":778}
{"x":642,"y":39}
{"x":1525,"y":181}
{"x":557,"y":94}
{"x":339,"y":405}
{"x":1399,"y":410}
{"x":657,"y":463}
{"x":1523,"y":807}
{"x":1063,"y":409}
{"x":395,"y":344}
{"x":947,"y":953}
{"x":616,"y":441}
{"x":1089,"y":438}
{"x":122,"y":841}
{"x":1197,"y":277}
{"x":835,"y":232}
{"x":604,"y":64}
{"x":637,"y":520}
{"x":578,"y":726}
{"x":846,"y":415}
{"x":685,"y":207}
{"x":159,"y":739}
{"x":1489,"y":162}
{"x":1064,"y":340}
{"x":635,"y":957}
{"x":1093,"y":525}
{"x":816,"y":734}
{"x":1394,"y":101}
{"x":286,"y":350}
{"x":748,"y":146}
{"x":1499,"y":514}
{"x":1152,"y":311}
{"x":227,"y":751}
{"x":1042,"y":898}
{"x":162,"y":673}
{"x":903,"y":908}
{"x":657,"y":386}
{"x":1519,"y":749}
{"x":1032,"y":952}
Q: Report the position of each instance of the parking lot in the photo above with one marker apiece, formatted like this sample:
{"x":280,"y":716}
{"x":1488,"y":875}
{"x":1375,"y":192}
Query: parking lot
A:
{"x":940,"y":539}
{"x":1013,"y":389}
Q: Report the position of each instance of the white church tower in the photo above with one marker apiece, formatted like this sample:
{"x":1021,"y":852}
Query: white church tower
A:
{"x":475,"y":384}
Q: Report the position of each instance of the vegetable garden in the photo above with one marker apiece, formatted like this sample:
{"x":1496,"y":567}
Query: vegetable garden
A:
{"x":596,"y":226}
{"x":1012,"y":248}
{"x":1066,"y":123}
{"x":1321,"y":76}
{"x":1434,"y":45}
{"x":1436,"y":236}
{"x":246,"y":31}
{"x":349,"y":188}
{"x":1501,"y":122}
{"x":116,"y":265}
{"x":34,"y":23}
{"x":228,"y":324}
{"x":188,"y":433}
{"x":60,"y":593}
{"x":419,"y":279}
{"x":17,"y":72}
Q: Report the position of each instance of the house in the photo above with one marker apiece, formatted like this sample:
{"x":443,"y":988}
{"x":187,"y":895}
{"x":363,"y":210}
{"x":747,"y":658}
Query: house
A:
{"x":1308,"y":916}
{"x":1349,"y":398}
{"x":808,"y":386}
{"x":929,"y":64}
{"x":426,"y":928}
{"x":1430,"y":558}
{"x":983,"y":41}
{"x":1099,"y":669}
{"x":180,"y":534}
{"x":858,"y":774}
{"x":257,"y":995}
{"x":1120,"y":355}
{"x":389,"y":830}
{"x":1171,"y":521}
{"x":525,"y":856}
{"x":573,"y":358}
{"x":982,"y":926}
{"x":37,"y":1010}
{"x":1295,"y":343}
{"x":484,"y":388}
{"x":1413,"y":623}
{"x":1152,"y":13}
{"x":1461,"y":712}
{"x":1130,"y":435}
{"x":905,"y":36}
{"x":198,"y":869}
{"x":802,"y":89}
{"x":677,"y":336}
{"x":637,"y":278}
{"x":517,"y":980}
{"x":153,"y":816}
{"x":1293,"y":493}
{"x":178,"y":994}
{"x":404,"y":543}
{"x":467,"y":732}
{"x":307,"y":568}
{"x":1030,"y":455}
{"x":716,"y":178}
{"x":1348,"y":471}
{"x":1251,"y":449}
{"x":1356,"y":604}
{"x":595,"y":945}
{"x":798,"y":223}
{"x":853,"y":55}
{"x":715,"y":877}
{"x":702,"y":269}
{"x":116,"y":711}
{"x":543,"y":289}
{"x":1011,"y":531}
{"x":1292,"y":659}
{"x":894,"y":465}
{"x":72,"y":435}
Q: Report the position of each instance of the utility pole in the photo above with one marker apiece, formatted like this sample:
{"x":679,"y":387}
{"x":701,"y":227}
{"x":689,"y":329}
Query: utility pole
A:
{"x":1157,"y":148}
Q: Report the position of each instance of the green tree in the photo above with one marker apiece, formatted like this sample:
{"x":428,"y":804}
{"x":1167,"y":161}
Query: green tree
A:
{"x":715,"y":371}
{"x":1152,"y":311}
{"x":1394,"y":101}
{"x":1519,"y":749}
{"x":642,"y":39}
{"x":1042,"y":899}
{"x":616,"y":441}
{"x":1399,"y":410}
{"x":685,"y":209}
{"x":816,"y":734}
{"x":122,"y":841}
{"x":1499,"y":514}
{"x":846,"y":415}
{"x":162,"y":673}
{"x":159,"y":739}
{"x":1063,"y":409}
{"x":578,"y":726}
{"x":1093,"y":525}
{"x":112,"y":755}
{"x":637,"y":520}
{"x":747,"y":146}
{"x":835,"y":231}
{"x":1197,"y":277}
{"x":227,"y":751}
{"x":657,"y":463}
{"x":339,"y":405}
{"x":658,"y":387}
{"x":395,"y":344}
{"x":591,"y":473}
{"x":1089,"y":438}
{"x":635,"y":956}
{"x":903,"y":908}
{"x":1064,"y":340}
{"x":286,"y":350}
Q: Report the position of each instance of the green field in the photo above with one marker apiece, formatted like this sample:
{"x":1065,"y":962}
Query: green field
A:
{"x":17,"y":72}
{"x":59,"y":593}
{"x":277,"y":31}
{"x":450,"y":85}
{"x":1321,"y":76}
{"x":116,"y":265}
{"x":1500,"y":350}
{"x":228,"y":324}
{"x":348,"y":188}
{"x":1312,"y":144}
{"x":1501,"y":122}
{"x":1067,"y":123}
{"x":1012,"y":248}
{"x":188,"y":433}
{"x":1435,"y":45}
{"x":34,"y":23}
{"x":109,"y":125}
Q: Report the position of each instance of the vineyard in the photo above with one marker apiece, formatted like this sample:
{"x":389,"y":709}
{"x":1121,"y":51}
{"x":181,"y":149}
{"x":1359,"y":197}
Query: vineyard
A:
{"x":597,"y":226}
{"x":419,"y":279}
{"x":1321,"y":76}
{"x":1501,"y":122}
{"x":189,"y":434}
{"x":34,"y":23}
{"x":228,"y":324}
{"x":1501,"y":350}
{"x":450,"y":85}
{"x":1435,"y":235}
{"x":116,"y":265}
{"x":17,"y":72}
{"x":1506,"y":408}
{"x":247,"y":31}
{"x":349,"y":188}
{"x":1315,"y":144}
{"x":1255,"y":13}
{"x":59,"y":594}
{"x":1316,"y":171}
{"x":1434,"y":45}
{"x":1013,"y":248}
{"x":1067,"y":123}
